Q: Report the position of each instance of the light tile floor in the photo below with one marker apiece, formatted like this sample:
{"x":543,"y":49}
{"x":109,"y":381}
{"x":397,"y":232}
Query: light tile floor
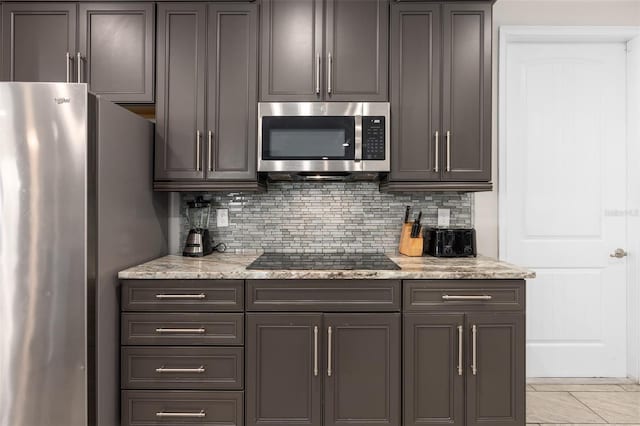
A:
{"x":571,"y":402}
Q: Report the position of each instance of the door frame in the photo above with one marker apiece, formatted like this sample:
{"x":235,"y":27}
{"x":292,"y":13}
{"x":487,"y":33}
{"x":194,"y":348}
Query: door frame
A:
{"x":509,"y":35}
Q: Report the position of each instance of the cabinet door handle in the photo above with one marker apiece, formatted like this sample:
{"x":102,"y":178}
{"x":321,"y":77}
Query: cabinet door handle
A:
{"x":79,"y":66}
{"x":448,"y":151}
{"x":209,"y":152}
{"x":198,"y":138}
{"x":437,"y":161}
{"x":474,"y":350}
{"x":185,"y":415}
{"x":460,"y":352}
{"x":197,"y":370}
{"x":69,"y":61}
{"x":162,"y":330}
{"x":329,"y":73}
{"x":315,"y":350}
{"x":329,"y":371}
{"x":317,"y":74}
{"x":199,"y":296}
{"x":469,"y":297}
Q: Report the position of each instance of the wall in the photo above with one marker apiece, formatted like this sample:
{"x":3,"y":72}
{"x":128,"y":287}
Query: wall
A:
{"x":328,"y":217}
{"x":536,"y":12}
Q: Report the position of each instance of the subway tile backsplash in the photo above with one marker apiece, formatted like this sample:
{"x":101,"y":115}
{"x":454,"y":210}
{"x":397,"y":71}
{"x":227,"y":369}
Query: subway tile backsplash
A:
{"x":324,"y":217}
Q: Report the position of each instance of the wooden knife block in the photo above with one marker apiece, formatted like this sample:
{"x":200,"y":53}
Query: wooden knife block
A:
{"x":410,"y":246}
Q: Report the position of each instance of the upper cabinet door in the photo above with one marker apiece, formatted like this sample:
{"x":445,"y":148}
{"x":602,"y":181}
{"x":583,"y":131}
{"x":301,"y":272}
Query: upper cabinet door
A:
{"x":292,"y":56}
{"x":283,"y":384}
{"x":496,"y":386}
{"x":37,"y":37}
{"x":362,"y":370}
{"x":415,"y":92}
{"x":466,"y":103}
{"x":433,"y":369}
{"x":357,"y":50}
{"x":180,"y":127}
{"x":232,"y":91}
{"x":117,"y":43}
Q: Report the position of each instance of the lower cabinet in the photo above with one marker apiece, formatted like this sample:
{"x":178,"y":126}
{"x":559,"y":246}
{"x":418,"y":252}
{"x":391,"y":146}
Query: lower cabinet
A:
{"x":292,"y":357}
{"x":464,"y":368}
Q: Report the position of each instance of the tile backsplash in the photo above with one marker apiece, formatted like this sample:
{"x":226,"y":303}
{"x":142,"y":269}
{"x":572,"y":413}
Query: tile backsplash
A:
{"x":322,"y":217}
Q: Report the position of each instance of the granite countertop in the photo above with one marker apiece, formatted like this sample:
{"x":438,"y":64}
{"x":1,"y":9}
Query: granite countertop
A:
{"x":234,"y":266}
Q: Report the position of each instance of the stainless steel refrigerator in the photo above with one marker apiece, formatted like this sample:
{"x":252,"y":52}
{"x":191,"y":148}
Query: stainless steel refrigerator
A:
{"x":76,"y":206}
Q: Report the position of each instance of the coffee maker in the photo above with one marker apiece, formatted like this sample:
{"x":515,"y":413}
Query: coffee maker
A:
{"x":198,"y":241}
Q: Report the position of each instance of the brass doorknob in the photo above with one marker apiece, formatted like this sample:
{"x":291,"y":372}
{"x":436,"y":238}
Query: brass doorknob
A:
{"x":619,"y":253}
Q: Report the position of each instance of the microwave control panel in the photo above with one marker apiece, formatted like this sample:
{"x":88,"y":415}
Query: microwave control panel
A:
{"x":373,"y":134}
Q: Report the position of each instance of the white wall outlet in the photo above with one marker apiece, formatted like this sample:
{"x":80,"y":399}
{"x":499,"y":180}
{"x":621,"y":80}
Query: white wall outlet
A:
{"x":444,"y":217}
{"x":222,"y":218}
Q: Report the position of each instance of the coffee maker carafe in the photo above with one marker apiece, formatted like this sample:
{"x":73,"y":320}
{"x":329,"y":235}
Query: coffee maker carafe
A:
{"x":198,"y":241}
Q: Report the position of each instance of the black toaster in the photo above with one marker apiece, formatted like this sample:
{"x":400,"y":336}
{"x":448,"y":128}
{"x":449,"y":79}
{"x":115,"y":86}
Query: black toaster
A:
{"x":450,"y":242}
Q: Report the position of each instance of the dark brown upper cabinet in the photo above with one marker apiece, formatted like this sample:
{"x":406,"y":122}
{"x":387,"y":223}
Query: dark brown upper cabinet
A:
{"x":355,"y":358}
{"x":113,"y":52}
{"x":440,"y":96}
{"x":207,"y":95}
{"x":180,"y":106}
{"x":39,"y":41}
{"x":332,"y":50}
{"x":116,"y":44}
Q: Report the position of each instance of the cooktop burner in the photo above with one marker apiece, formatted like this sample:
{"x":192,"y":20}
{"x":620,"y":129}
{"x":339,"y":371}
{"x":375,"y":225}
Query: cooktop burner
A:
{"x":338,"y":261}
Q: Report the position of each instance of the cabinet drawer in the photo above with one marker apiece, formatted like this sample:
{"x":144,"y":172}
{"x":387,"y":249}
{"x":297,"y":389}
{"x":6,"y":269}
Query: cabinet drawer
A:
{"x":150,"y":408}
{"x":323,"y":295}
{"x":181,"y":329}
{"x":211,"y":368}
{"x":183,"y":295}
{"x":477,"y":295}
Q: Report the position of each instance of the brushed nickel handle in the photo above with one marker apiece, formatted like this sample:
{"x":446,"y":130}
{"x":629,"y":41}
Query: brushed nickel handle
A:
{"x":163,"y":369}
{"x":474,"y":350}
{"x":79,"y":67}
{"x":185,"y":415}
{"x":329,"y":371}
{"x":163,"y":296}
{"x":437,"y":138}
{"x":460,"y":342}
{"x":469,"y":297}
{"x":209,"y":151}
{"x":198,"y":139}
{"x":448,"y":151}
{"x":315,"y":350}
{"x":619,"y":253}
{"x":329,"y":74}
{"x":317,"y":74}
{"x":163,"y":330}
{"x":69,"y":60}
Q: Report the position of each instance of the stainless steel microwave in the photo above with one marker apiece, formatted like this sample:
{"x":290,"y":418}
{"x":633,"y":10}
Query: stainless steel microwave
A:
{"x":323,"y":137}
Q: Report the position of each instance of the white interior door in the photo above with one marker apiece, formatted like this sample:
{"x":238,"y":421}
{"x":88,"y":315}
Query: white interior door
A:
{"x":564,"y":202}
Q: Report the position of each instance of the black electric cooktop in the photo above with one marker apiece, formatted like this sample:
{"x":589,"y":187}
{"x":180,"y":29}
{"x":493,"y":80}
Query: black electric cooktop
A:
{"x":338,"y":261}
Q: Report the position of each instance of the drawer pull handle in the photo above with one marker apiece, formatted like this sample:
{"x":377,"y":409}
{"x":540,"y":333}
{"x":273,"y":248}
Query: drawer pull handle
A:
{"x":171,"y":414}
{"x":198,"y":370}
{"x":483,"y":297}
{"x":200,"y":330}
{"x":181,"y":296}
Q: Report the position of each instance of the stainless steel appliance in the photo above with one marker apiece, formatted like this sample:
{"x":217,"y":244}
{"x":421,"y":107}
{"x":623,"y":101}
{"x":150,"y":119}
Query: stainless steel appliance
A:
{"x":323,"y":138}
{"x":198,"y":242}
{"x":76,"y":206}
{"x":450,"y":242}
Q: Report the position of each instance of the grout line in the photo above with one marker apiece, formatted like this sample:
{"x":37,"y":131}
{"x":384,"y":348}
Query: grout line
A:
{"x":588,"y":408}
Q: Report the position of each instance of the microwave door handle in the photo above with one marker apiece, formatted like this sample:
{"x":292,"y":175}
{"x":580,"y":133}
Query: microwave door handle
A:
{"x":358,"y":147}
